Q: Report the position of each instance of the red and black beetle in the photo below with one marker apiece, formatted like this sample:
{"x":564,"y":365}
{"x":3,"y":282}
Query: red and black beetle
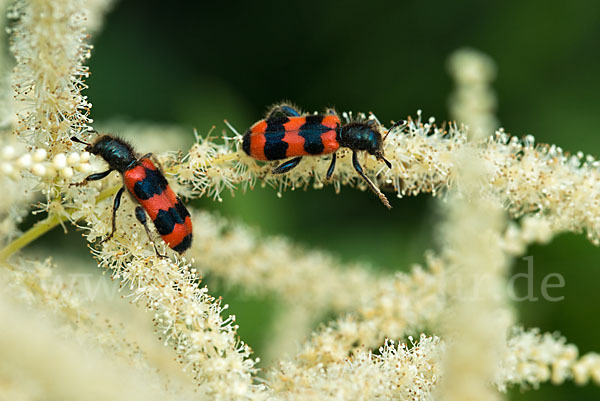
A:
{"x":285,"y":134}
{"x":146,"y":183}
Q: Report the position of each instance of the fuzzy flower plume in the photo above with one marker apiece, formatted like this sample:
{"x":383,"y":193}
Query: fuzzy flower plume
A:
{"x":38,"y":362}
{"x":476,"y":317}
{"x":368,"y":351}
{"x":532,"y":358}
{"x":239,"y":256}
{"x":49,"y":45}
{"x":186,"y":317}
{"x":412,"y":371}
{"x":37,"y":285}
{"x":395,"y":372}
{"x":473,"y":101}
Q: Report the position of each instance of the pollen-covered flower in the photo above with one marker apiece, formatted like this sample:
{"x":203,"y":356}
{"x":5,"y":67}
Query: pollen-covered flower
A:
{"x":500,"y":194}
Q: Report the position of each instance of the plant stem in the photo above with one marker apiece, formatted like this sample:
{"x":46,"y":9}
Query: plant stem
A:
{"x":226,"y":157}
{"x":220,"y":159}
{"x":30,"y":235}
{"x":42,"y":227}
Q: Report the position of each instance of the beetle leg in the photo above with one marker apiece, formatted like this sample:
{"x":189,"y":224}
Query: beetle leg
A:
{"x":376,"y":190}
{"x":140,"y":214}
{"x":331,"y":168}
{"x":379,"y":156}
{"x":154,"y":159}
{"x":114,"y":214}
{"x":93,"y":177}
{"x":330,"y":111}
{"x":287,"y":166}
{"x":283,"y":109}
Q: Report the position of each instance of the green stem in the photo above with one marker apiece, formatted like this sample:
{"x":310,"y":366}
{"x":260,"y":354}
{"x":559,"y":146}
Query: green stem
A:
{"x":42,"y":227}
{"x":30,"y":235}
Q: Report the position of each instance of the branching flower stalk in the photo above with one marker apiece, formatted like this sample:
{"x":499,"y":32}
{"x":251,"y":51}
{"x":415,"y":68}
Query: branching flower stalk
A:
{"x":148,"y":252}
{"x":551,"y":192}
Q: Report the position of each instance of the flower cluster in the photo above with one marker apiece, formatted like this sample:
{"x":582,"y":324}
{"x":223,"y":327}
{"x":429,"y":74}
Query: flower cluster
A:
{"x":473,"y":101}
{"x":361,"y":353}
{"x":48,"y":79}
{"x":239,"y":256}
{"x":471,"y":247}
{"x":526,"y":179}
{"x":396,"y":372}
{"x":64,"y":165}
{"x":535,"y":358}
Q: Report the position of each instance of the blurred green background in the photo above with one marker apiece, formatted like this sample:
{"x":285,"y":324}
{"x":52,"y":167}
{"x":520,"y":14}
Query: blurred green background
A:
{"x":193,"y":64}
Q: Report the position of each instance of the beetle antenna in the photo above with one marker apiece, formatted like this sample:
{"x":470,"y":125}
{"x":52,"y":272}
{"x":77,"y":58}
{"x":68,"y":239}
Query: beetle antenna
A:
{"x":75,"y":139}
{"x":394,"y":125}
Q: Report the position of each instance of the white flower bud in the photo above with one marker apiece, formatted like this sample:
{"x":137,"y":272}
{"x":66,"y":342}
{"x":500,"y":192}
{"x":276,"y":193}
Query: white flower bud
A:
{"x":84,"y":167}
{"x":39,"y":155}
{"x":24,"y":161}
{"x":38,"y":169}
{"x":6,"y":168}
{"x":73,"y":158}
{"x":8,"y":152}
{"x":50,"y":171}
{"x":60,"y":161}
{"x":66,"y":172}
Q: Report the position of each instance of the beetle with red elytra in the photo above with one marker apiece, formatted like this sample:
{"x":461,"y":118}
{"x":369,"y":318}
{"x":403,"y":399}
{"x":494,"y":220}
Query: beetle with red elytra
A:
{"x":146,"y":183}
{"x":287,"y":134}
